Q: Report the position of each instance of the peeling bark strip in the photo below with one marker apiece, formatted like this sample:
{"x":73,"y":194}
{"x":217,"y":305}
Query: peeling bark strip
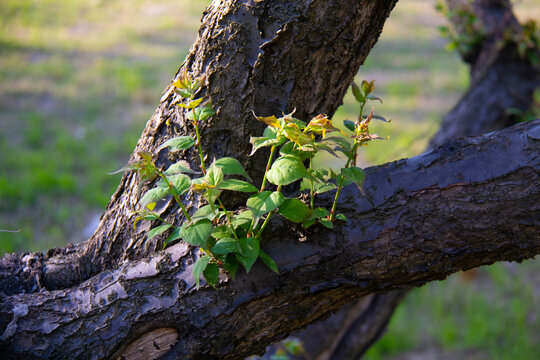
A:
{"x":265,"y":56}
{"x":469,"y":203}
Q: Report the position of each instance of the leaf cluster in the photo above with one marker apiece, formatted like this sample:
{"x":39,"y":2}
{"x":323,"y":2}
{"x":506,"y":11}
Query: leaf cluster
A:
{"x":228,"y":239}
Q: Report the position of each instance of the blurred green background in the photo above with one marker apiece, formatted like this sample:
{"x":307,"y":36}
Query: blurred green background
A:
{"x":79,"y":80}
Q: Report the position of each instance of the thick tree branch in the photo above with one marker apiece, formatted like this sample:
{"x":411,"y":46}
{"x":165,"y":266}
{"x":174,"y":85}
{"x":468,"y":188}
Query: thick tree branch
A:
{"x":469,"y":203}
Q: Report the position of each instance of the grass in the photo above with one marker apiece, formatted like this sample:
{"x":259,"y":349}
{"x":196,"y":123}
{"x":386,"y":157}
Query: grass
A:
{"x":79,"y":79}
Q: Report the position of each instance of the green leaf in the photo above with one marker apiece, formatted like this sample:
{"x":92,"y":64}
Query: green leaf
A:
{"x":357,"y":93}
{"x":200,"y":113}
{"x":199,"y":267}
{"x":351,"y":125}
{"x":211,"y":274}
{"x":259,"y":142}
{"x":175,"y":235}
{"x":185,"y":93}
{"x":213,"y":176}
{"x":231,"y":166}
{"x":204,"y":212}
{"x":320,"y":188}
{"x":243,"y":219}
{"x":153,"y":195}
{"x":268,"y":261}
{"x":178,"y":143}
{"x":158,"y":230}
{"x":286,"y":170}
{"x":249,"y":252}
{"x":264,"y":202}
{"x":192,"y":104}
{"x":354,"y":174}
{"x":181,"y":166}
{"x":327,"y":223}
{"x":316,"y":214}
{"x":231,"y":265}
{"x":197,"y":234}
{"x":341,"y":217}
{"x":290,"y":149}
{"x":237,"y":185}
{"x":180,"y":183}
{"x":225,"y":246}
{"x":294,"y":210}
{"x":222,"y":231}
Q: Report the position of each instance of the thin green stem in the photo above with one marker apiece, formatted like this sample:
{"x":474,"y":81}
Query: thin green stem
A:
{"x":174,"y":194}
{"x":272,"y":150}
{"x":340,"y":183}
{"x":201,"y":155}
{"x":228,"y":218}
{"x":311,"y":195}
{"x":265,"y":223}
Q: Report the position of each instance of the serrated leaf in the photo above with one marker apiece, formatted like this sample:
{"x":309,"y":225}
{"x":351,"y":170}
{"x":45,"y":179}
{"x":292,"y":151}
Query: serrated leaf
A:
{"x":181,"y":166}
{"x":264,"y":202}
{"x":178,"y":143}
{"x":197,"y":234}
{"x":153,"y":195}
{"x":357,"y":93}
{"x":286,"y":170}
{"x":237,"y":185}
{"x":231,"y":166}
{"x":180,"y":183}
{"x":354,"y":174}
{"x":158,"y":230}
{"x":294,"y":210}
{"x":225,"y":246}
{"x":211,"y":274}
{"x":214,"y":175}
{"x":199,"y":267}
{"x":268,"y":261}
{"x":249,"y":252}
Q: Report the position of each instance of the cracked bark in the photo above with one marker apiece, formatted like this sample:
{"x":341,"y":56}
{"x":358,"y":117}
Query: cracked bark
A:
{"x":471,"y":202}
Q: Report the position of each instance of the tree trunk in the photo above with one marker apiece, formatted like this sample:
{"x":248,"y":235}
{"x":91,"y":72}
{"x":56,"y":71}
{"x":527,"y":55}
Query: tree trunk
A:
{"x":288,"y":60}
{"x":470,"y":203}
{"x":268,"y":57}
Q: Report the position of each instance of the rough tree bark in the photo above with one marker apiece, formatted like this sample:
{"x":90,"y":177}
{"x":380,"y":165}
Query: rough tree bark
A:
{"x":290,"y":49}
